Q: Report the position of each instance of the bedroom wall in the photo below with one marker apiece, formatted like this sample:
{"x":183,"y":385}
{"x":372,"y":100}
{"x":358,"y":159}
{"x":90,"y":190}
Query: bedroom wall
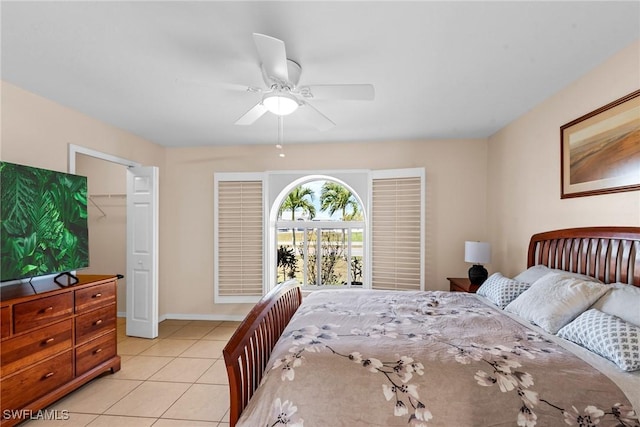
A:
{"x":107,"y":211}
{"x":36,"y":132}
{"x":524,"y":166}
{"x":455,"y":205}
{"x":510,"y":194}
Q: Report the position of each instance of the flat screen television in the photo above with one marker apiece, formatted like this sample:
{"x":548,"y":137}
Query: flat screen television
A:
{"x":43,"y":222}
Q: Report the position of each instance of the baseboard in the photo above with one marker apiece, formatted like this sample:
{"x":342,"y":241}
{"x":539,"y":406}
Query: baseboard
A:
{"x":215,"y":317}
{"x":180,"y":316}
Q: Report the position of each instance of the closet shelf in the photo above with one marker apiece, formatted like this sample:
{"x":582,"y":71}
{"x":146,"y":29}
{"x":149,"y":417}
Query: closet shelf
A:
{"x":109,"y":195}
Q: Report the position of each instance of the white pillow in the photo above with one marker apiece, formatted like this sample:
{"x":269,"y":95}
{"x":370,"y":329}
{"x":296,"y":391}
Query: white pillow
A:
{"x":501,"y":290}
{"x":606,"y":335}
{"x":577,"y":275}
{"x":555,"y":300}
{"x":533,"y":273}
{"x":536,"y":272}
{"x":622,"y":301}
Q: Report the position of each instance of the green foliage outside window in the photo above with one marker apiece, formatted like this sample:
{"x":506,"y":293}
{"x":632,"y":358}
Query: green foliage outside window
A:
{"x":287,"y":262}
{"x":302,"y":203}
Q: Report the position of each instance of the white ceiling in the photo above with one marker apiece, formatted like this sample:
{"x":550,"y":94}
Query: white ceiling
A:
{"x":170,"y":71}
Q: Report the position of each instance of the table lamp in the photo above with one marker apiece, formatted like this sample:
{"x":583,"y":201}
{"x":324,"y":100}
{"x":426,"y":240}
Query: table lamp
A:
{"x":477,"y":253}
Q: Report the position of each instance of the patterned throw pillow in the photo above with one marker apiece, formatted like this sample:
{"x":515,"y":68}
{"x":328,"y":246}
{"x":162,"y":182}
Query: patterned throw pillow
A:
{"x":606,"y":335}
{"x":501,"y":290}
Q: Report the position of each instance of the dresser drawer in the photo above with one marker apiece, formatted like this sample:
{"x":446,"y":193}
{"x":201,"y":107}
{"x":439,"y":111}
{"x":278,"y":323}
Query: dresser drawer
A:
{"x":5,"y":322}
{"x":95,"y":352}
{"x":29,"y":315}
{"x":95,"y":296}
{"x":20,"y":389}
{"x":94,"y":323}
{"x":25,"y":350}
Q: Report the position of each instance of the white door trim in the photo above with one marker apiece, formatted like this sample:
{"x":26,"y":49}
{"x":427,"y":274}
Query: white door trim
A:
{"x":77,"y":149}
{"x":74,"y":149}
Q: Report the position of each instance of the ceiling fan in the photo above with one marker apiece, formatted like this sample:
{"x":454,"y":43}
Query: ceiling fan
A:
{"x":283,"y":96}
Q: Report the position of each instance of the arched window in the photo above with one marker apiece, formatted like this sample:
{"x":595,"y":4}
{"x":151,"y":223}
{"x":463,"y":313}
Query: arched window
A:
{"x":320,"y":234}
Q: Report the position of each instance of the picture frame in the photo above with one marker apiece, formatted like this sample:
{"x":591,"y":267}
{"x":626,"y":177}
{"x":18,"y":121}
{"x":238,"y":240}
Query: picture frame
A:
{"x":600,"y":151}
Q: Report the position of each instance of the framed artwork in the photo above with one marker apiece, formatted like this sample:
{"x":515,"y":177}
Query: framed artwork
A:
{"x":600,"y":151}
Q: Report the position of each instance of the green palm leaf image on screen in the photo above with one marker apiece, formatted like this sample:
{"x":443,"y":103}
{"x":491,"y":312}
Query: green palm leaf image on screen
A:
{"x":43,"y":222}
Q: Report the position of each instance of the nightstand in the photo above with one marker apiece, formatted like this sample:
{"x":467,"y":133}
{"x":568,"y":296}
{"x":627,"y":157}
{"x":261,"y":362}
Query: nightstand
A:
{"x":461,"y":284}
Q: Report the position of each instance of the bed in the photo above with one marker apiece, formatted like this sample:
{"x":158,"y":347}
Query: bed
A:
{"x":517,"y":354}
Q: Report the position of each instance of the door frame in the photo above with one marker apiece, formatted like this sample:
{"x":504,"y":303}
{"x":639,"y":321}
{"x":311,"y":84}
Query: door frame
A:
{"x":74,"y":149}
{"x":77,"y":149}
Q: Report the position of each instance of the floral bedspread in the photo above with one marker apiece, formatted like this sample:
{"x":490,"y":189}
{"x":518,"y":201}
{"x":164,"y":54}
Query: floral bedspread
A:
{"x":379,"y":358}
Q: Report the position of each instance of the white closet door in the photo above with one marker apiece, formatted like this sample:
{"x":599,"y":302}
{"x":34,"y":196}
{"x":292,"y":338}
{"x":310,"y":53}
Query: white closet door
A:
{"x":142,"y":251}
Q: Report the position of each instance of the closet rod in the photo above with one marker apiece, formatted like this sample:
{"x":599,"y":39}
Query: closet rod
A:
{"x":109,"y":195}
{"x":105,"y":196}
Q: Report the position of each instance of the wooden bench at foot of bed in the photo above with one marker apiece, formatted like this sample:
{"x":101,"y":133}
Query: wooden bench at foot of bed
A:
{"x":248,"y":351}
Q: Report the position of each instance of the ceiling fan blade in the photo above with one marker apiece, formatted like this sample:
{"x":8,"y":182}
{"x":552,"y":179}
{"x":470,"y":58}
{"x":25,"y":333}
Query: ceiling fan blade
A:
{"x":309,"y":113}
{"x":357,"y":92}
{"x":273,"y":56}
{"x":236,"y":87}
{"x":252,"y":115}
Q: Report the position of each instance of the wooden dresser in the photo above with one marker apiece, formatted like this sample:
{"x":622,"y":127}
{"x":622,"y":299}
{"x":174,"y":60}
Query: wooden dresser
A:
{"x":53,"y":341}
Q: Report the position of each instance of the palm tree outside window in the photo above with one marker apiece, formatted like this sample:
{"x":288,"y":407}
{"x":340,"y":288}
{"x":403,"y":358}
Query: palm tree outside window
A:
{"x":325,"y":247}
{"x":300,"y":199}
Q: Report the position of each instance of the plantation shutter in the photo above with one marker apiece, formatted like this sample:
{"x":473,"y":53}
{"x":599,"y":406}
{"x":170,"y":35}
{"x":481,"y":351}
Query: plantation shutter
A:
{"x":397,"y":230}
{"x":240,"y":240}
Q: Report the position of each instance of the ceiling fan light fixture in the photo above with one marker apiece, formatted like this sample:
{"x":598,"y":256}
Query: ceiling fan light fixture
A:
{"x":280,"y":103}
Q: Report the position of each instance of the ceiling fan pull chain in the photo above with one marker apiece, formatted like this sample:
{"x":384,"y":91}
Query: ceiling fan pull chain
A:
{"x":280,"y":143}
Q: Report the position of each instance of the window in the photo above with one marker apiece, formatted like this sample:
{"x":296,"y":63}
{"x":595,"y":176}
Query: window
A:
{"x":397,"y":219}
{"x":239,"y":243}
{"x":268,"y":230}
{"x":320,"y":233}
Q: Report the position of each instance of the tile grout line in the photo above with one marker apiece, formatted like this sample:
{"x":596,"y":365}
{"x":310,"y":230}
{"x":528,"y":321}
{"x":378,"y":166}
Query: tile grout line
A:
{"x":219,"y":340}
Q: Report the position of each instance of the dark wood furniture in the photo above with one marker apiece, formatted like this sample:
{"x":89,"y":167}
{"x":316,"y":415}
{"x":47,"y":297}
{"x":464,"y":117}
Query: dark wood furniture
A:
{"x":462,"y":284}
{"x":609,"y":253}
{"x":247,"y":352}
{"x":54,"y":340}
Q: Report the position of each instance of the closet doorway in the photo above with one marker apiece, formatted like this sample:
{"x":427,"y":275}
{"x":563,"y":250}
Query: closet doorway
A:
{"x":123,"y":228}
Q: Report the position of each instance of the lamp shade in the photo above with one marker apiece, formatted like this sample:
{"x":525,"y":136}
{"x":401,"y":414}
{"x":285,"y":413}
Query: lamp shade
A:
{"x":477,"y":252}
{"x":280,"y":103}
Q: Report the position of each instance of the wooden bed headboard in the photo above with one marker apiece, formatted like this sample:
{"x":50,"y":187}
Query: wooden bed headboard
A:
{"x":611,"y":254}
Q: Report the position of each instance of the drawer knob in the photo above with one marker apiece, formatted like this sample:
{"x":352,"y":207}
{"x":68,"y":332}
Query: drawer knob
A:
{"x":49,"y":340}
{"x":98,"y":322}
{"x":50,"y":308}
{"x":47,"y":375}
{"x":98,"y":295}
{"x":97,"y":350}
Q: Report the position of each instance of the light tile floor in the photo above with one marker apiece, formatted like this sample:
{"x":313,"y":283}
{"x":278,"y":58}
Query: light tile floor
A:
{"x":175,"y":380}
